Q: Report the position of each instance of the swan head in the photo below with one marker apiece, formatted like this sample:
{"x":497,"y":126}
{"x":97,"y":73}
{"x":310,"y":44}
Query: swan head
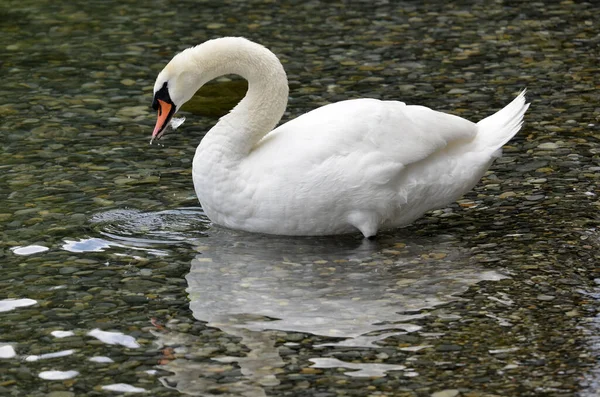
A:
{"x":175,"y":85}
{"x":166,"y":108}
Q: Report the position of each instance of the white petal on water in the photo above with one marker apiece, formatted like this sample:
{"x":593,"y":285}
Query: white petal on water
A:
{"x":101,"y":359}
{"x":176,"y":122}
{"x":114,"y":338}
{"x":62,"y":334}
{"x":62,"y":353}
{"x":10,"y":304}
{"x":123,"y":388}
{"x":58,"y":375}
{"x":7,"y":351}
{"x":29,"y":249}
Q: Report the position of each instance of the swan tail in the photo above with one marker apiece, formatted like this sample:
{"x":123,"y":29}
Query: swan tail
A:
{"x":496,"y":130}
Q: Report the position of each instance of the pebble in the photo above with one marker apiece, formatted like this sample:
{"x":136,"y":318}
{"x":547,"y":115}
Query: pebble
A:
{"x":61,"y":394}
{"x":446,"y":393}
{"x":457,"y":91}
{"x":448,"y":348}
{"x":548,"y":146}
{"x":68,"y":270}
{"x":535,"y":197}
{"x":133,"y":111}
{"x":545,"y":297}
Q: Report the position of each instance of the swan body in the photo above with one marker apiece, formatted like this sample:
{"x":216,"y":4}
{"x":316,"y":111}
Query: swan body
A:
{"x":361,"y":164}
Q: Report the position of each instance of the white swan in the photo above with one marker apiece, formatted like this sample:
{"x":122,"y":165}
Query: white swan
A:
{"x":359,"y":164}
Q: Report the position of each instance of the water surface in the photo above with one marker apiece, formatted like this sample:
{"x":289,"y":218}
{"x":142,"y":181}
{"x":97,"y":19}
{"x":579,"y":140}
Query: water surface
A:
{"x":112,"y":280}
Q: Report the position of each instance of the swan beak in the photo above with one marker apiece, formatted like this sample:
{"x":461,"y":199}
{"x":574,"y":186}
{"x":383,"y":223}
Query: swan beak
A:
{"x":165,"y":112}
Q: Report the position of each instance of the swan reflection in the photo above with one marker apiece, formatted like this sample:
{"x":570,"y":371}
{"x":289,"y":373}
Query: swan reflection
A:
{"x":341,"y":287}
{"x":356,"y":292}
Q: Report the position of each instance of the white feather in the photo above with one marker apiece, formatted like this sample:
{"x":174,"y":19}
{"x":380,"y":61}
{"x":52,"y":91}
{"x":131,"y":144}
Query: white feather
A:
{"x":176,"y":122}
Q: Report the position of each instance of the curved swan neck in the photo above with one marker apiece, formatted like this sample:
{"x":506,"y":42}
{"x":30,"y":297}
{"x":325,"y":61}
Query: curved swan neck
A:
{"x":265,"y":101}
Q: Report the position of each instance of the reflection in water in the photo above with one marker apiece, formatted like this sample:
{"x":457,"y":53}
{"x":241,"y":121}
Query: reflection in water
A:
{"x":338,"y":286}
{"x":114,"y":338}
{"x":11,"y":304}
{"x":101,"y":359}
{"x":62,"y":353}
{"x":98,"y":245}
{"x":29,"y":250}
{"x":7,"y":351}
{"x":367,"y":370}
{"x":355,"y":290}
{"x":123,"y":388}
{"x":58,"y":375}
{"x":62,"y":334}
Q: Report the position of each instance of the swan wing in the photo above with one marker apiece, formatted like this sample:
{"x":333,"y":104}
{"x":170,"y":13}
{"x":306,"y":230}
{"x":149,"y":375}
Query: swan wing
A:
{"x":357,"y":140}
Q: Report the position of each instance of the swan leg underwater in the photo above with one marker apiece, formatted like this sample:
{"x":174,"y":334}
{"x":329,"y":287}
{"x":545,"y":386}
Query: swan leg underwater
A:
{"x":360,"y":164}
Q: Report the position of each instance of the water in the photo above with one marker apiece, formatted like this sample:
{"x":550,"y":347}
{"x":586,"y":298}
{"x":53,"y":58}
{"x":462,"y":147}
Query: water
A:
{"x":353,"y":292}
{"x":112,"y":280}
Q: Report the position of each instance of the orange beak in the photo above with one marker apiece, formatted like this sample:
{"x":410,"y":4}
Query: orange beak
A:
{"x":165,"y":112}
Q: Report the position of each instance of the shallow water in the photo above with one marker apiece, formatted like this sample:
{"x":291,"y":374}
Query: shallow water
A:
{"x":112,"y":280}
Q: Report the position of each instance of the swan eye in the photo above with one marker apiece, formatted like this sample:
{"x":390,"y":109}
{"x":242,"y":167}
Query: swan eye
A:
{"x":162,"y":94}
